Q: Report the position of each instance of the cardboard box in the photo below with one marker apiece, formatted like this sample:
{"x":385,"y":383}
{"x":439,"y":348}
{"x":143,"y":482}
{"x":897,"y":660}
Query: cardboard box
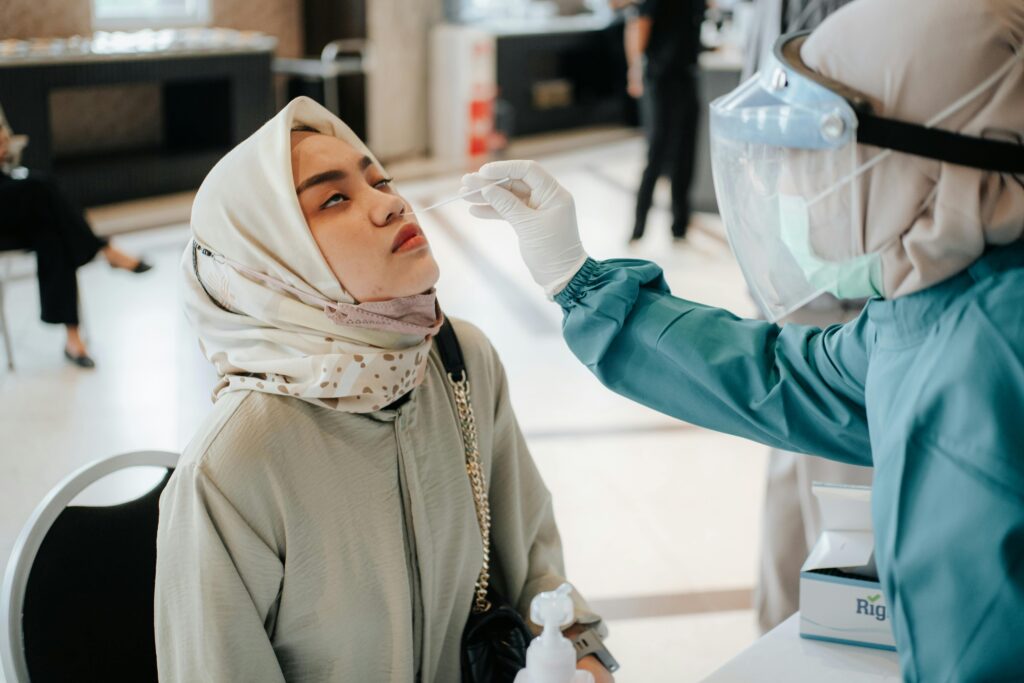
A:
{"x":841,"y":600}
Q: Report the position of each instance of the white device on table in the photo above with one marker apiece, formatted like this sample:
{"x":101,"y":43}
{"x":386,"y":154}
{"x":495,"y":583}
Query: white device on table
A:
{"x":551,"y":657}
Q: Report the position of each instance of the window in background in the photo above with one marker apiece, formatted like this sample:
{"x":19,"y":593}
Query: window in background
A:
{"x":112,"y":15}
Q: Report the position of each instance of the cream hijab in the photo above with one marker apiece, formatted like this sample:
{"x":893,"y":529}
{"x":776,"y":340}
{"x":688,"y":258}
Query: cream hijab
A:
{"x":269,"y":312}
{"x":929,"y":220}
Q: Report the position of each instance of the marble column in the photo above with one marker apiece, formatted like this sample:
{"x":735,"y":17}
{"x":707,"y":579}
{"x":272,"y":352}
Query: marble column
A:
{"x":397,"y":86}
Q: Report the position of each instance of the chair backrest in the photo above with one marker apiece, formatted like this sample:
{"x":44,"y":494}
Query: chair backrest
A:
{"x":77,"y":597}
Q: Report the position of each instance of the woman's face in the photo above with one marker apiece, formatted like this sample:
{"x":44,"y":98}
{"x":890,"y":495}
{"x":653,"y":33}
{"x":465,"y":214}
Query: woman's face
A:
{"x":362,"y":226}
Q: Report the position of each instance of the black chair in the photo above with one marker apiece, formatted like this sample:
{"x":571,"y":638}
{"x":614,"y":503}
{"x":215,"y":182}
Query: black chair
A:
{"x":77,"y":599}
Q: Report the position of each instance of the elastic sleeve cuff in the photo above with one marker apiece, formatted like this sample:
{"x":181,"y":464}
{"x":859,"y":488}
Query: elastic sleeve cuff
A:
{"x":572,"y":292}
{"x":616,"y":279}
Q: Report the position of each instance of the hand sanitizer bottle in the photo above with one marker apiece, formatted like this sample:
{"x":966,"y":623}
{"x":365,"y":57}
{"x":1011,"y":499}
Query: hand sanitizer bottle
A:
{"x":551,"y":658}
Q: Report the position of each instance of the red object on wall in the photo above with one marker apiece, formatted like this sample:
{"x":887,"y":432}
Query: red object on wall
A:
{"x":481,"y":125}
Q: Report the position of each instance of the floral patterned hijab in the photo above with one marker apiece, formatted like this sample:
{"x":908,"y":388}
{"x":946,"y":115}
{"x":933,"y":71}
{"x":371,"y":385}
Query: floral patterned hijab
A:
{"x":269,"y":312}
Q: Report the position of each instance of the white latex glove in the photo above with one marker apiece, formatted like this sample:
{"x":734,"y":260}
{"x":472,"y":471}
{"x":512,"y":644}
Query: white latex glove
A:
{"x":541,"y":212}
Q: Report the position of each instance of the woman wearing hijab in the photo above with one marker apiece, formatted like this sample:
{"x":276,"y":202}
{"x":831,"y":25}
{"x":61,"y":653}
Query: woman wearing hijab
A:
{"x":35,"y":214}
{"x":321,"y":525}
{"x":868,"y":160}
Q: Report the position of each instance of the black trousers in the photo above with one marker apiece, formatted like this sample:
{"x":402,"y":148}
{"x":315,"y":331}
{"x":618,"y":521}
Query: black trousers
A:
{"x":669,"y":110}
{"x":35,"y":214}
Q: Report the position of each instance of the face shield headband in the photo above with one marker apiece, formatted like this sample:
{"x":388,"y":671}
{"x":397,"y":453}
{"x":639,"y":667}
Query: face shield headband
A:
{"x":852,"y":119}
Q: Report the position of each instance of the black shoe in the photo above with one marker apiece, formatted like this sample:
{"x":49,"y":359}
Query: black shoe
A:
{"x":82,"y":361}
{"x":142,"y":267}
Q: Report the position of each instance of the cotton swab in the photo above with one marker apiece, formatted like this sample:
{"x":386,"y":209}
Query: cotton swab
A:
{"x":459,"y":196}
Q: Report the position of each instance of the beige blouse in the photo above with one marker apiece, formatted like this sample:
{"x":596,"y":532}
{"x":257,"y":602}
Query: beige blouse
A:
{"x":298,"y":543}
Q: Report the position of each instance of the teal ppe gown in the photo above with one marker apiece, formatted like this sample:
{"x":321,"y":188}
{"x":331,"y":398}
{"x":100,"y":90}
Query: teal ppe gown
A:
{"x":927,"y":388}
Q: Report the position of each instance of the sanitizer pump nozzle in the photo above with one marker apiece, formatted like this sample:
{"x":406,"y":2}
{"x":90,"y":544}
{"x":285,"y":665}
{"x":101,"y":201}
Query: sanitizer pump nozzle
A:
{"x":551,"y":658}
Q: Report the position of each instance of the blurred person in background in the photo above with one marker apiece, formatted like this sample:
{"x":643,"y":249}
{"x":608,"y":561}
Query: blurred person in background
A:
{"x":36,"y":215}
{"x":662,"y":45}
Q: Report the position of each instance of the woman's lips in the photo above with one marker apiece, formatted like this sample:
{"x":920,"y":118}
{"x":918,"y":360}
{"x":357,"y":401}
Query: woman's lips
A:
{"x":408,"y":238}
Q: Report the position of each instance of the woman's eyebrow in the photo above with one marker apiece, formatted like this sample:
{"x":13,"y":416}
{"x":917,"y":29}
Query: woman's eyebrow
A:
{"x":329,"y":176}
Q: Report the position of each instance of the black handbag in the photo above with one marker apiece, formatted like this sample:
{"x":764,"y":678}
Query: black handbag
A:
{"x":496,"y":636}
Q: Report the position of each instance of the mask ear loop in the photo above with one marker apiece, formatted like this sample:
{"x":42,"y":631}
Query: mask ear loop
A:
{"x":195,"y":269}
{"x":273,"y":283}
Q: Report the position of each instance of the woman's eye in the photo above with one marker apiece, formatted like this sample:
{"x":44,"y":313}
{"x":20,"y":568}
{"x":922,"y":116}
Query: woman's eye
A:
{"x":335,"y":199}
{"x":382,"y":184}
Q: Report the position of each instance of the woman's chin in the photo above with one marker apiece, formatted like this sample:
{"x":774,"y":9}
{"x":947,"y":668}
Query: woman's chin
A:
{"x":424,"y":274}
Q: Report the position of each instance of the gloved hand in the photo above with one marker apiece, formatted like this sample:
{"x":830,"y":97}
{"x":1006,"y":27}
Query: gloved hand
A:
{"x":541,"y":212}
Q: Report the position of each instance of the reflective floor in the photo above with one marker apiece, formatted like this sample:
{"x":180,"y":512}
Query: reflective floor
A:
{"x":660,"y":520}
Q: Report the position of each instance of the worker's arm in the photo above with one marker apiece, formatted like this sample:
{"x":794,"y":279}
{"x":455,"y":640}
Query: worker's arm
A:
{"x":798,"y":388}
{"x":794,"y":387}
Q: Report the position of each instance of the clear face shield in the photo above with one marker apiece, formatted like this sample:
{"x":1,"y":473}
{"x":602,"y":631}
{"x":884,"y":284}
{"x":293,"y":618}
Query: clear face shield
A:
{"x":791,"y":154}
{"x":784,"y":156}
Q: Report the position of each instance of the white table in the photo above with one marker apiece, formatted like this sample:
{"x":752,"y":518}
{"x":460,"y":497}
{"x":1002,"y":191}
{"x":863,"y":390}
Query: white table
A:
{"x":782,"y":655}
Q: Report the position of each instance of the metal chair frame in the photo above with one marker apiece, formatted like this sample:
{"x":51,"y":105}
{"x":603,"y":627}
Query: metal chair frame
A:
{"x":4,"y":330}
{"x":12,"y":595}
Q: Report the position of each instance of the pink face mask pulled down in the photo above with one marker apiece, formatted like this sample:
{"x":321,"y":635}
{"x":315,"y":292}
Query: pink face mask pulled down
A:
{"x":416,"y":315}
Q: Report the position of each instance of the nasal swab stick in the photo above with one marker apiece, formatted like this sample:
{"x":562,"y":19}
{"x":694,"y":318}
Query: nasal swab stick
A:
{"x":459,"y":196}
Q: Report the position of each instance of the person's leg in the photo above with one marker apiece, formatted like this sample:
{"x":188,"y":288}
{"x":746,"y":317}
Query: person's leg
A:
{"x":82,"y":243}
{"x":683,"y":148}
{"x":15,"y":213}
{"x":75,"y":346}
{"x":652,"y":104}
{"x":30,"y":220}
{"x":58,"y":253}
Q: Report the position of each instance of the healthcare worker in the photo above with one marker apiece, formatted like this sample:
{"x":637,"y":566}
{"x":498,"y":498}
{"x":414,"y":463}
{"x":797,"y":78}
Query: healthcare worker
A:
{"x":881,"y":156}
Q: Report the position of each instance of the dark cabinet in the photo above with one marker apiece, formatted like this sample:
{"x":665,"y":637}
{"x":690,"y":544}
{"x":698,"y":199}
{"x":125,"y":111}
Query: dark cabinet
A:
{"x":210,"y":103}
{"x":558,"y":80}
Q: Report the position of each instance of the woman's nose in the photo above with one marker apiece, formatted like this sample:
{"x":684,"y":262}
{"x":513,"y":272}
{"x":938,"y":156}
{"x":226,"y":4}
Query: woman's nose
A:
{"x":386,"y":209}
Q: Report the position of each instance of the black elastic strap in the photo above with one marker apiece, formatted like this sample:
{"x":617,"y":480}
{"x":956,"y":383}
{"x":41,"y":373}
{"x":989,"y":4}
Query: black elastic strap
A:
{"x":941,"y":145}
{"x":450,"y":351}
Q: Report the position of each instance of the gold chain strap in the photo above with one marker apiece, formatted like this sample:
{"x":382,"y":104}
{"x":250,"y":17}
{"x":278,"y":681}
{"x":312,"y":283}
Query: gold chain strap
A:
{"x":467,"y":422}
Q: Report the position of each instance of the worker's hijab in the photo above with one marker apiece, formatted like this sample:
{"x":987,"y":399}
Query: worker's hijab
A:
{"x":928,"y":219}
{"x":270,"y":313}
